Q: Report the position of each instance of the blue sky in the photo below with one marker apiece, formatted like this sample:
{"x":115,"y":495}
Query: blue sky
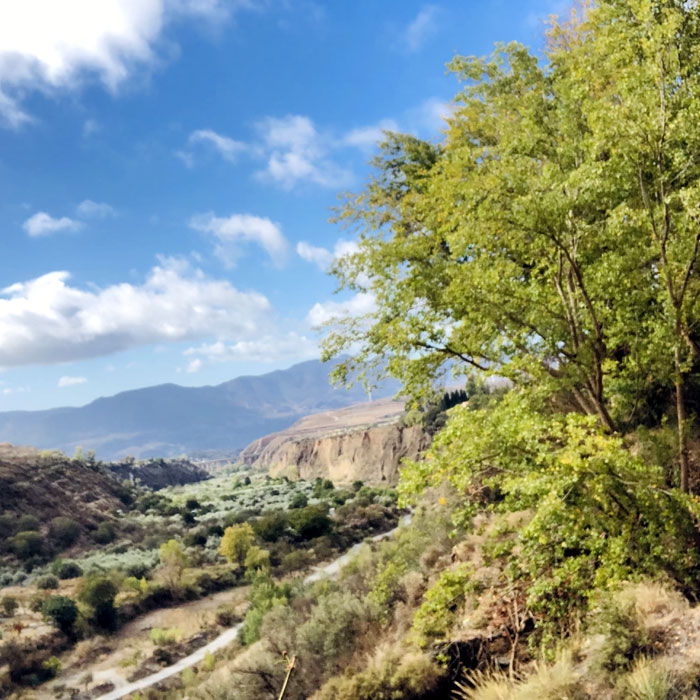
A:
{"x":167,"y":169}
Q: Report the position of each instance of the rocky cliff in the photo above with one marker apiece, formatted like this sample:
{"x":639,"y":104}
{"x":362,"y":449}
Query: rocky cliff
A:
{"x":341,"y":446}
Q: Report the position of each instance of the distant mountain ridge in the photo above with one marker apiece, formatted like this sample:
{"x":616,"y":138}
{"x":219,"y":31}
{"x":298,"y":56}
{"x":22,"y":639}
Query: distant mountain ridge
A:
{"x":169,"y":419}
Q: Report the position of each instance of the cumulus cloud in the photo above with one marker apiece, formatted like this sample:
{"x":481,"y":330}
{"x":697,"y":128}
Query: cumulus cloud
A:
{"x":70,"y":381}
{"x":43,"y":224}
{"x":87,"y":209}
{"x":269,"y":347}
{"x":359,"y":305}
{"x":50,"y":46}
{"x":227,"y":147}
{"x":296,"y":152}
{"x":420,"y":29}
{"x":323,"y":257}
{"x":229,"y":232}
{"x":47,"y":320}
{"x":314,"y":254}
{"x":367,"y":137}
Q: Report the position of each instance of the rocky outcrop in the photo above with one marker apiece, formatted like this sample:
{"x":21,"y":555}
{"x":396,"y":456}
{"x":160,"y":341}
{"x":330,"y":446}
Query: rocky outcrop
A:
{"x":158,"y":473}
{"x":372,"y":454}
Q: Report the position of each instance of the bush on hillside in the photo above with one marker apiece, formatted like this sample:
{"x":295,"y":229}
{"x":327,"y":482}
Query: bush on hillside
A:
{"x":62,"y":612}
{"x":311,"y":521}
{"x":66,"y":569}
{"x":27,"y":544}
{"x":46,"y":582}
{"x":105,"y":533}
{"x":28,"y":523}
{"x":64,"y":532}
{"x":600,"y":514}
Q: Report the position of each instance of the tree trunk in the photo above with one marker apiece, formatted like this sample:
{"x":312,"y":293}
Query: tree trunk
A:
{"x":680,"y":416}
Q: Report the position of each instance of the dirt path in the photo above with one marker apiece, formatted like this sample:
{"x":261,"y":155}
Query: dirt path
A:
{"x":122,"y":688}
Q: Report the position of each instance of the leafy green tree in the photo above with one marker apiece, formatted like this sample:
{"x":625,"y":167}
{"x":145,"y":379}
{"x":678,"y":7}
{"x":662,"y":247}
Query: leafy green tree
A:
{"x":98,"y":592}
{"x":62,"y":612}
{"x":271,"y":526}
{"x":311,"y":521}
{"x":257,"y":560}
{"x":236,"y":542}
{"x":173,"y":562}
{"x":643,"y":111}
{"x":552,"y":237}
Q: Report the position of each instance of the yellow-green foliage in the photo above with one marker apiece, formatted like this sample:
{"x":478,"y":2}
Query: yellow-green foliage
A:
{"x":163,"y":637}
{"x":556,"y":681}
{"x":257,"y":559}
{"x":392,"y":675}
{"x":647,"y":681}
{"x":600,"y":514}
{"x":441,"y":601}
{"x":236,"y":542}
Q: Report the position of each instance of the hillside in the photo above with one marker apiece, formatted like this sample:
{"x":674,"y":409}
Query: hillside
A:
{"x":168,"y":420}
{"x":51,"y":486}
{"x":362,"y":442}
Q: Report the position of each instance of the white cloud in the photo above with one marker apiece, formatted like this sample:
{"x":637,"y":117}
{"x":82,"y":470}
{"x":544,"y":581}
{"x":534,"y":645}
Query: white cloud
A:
{"x":269,"y":347}
{"x":7,"y":391}
{"x":227,"y":147}
{"x":48,"y":321}
{"x":88,"y":209}
{"x":70,"y":381}
{"x":423,"y":26}
{"x":322,"y":257}
{"x":359,"y":305}
{"x":43,"y":224}
{"x":47,"y":45}
{"x":314,"y":254}
{"x":367,"y":137}
{"x":231,"y":231}
{"x":296,"y":152}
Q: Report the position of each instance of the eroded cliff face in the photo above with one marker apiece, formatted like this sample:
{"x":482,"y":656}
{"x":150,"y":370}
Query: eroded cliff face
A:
{"x":372,"y":455}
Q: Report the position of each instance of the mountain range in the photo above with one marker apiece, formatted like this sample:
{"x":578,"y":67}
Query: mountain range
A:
{"x":169,"y":419}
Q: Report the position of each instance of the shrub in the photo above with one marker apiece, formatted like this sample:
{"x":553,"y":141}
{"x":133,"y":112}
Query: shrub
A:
{"x":64,"y":531}
{"x":393,"y":674}
{"x":266,"y":594}
{"x":27,"y":544}
{"x":165,"y":637}
{"x":62,"y":612}
{"x":66,"y":569}
{"x":105,"y":533}
{"x":47,"y":581}
{"x":28,"y":523}
{"x":298,"y":559}
{"x":600,"y":514}
{"x":441,"y":601}
{"x":256,"y":560}
{"x":299,"y":500}
{"x":310,"y":522}
{"x":270,"y":527}
{"x":9,"y":605}
{"x":192,"y":504}
{"x":336,"y":625}
{"x":51,"y":667}
{"x":99,"y":592}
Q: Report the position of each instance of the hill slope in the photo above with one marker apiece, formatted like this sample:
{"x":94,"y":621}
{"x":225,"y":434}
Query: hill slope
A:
{"x":167,"y":420}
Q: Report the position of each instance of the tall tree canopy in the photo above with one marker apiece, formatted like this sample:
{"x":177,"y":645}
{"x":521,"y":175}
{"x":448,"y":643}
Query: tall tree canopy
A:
{"x":552,"y":235}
